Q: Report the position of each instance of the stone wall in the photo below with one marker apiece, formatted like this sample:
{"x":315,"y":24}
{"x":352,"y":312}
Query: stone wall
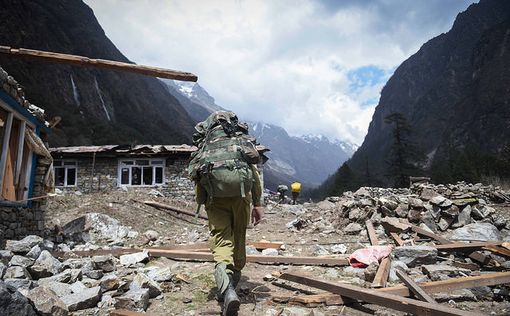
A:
{"x":105,"y":175}
{"x":19,"y":221}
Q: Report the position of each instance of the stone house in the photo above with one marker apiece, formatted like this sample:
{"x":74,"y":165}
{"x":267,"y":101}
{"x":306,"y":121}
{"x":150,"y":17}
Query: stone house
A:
{"x":102,"y":168}
{"x":26,"y":176}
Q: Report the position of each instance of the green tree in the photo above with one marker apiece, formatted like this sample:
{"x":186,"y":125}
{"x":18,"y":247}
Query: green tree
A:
{"x":404,"y":157}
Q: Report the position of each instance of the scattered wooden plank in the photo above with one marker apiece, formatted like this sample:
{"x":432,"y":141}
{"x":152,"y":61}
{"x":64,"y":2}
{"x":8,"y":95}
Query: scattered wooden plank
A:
{"x":437,"y":286}
{"x":172,"y":208}
{"x":266,"y":244}
{"x":377,"y":297}
{"x":125,"y":312}
{"x":328,"y":299}
{"x":498,"y":250}
{"x":381,"y":277}
{"x":397,"y":239}
{"x":465,"y":246}
{"x":449,"y":285}
{"x":415,"y":288}
{"x":295,"y":260}
{"x":371,"y":233}
{"x":98,"y":63}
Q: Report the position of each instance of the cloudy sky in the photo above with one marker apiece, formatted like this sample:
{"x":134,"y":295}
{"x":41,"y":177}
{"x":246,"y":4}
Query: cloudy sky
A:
{"x":313,"y":67}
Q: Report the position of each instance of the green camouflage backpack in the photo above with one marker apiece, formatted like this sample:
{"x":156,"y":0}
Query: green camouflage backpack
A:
{"x":221,"y":165}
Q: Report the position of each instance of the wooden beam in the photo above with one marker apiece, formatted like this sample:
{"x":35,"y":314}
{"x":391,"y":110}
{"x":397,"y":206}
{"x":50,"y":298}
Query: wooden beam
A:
{"x":376,"y":297}
{"x":125,"y":312}
{"x":5,"y":149}
{"x":498,"y":250}
{"x":453,"y":284}
{"x":465,"y":246}
{"x":266,"y":244}
{"x":397,"y":239}
{"x":371,"y":233}
{"x":98,"y":63}
{"x":415,"y":288}
{"x":381,"y":277}
{"x":172,"y":208}
{"x":312,"y":300}
{"x":442,"y":286}
{"x":295,"y":260}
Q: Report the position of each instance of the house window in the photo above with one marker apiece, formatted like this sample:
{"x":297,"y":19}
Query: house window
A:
{"x":66,"y":173}
{"x":141,"y":172}
{"x":15,"y":157}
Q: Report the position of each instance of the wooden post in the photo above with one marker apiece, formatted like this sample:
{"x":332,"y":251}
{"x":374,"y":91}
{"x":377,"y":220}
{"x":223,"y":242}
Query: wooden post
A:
{"x":415,"y":288}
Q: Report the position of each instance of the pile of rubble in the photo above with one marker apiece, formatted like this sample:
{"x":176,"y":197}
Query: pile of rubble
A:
{"x":50,"y":286}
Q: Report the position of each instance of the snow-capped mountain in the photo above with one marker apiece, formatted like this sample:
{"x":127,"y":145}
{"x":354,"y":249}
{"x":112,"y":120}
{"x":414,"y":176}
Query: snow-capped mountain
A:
{"x":309,"y":159}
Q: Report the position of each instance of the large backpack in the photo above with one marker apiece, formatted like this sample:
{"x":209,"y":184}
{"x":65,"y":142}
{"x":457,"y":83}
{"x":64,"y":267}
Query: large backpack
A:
{"x":221,"y":165}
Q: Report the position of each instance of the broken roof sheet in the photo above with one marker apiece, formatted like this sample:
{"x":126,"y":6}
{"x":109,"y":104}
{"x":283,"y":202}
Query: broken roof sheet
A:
{"x":124,"y":149}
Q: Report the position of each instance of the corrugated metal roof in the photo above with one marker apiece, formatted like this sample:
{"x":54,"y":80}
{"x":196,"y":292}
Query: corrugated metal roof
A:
{"x":124,"y":149}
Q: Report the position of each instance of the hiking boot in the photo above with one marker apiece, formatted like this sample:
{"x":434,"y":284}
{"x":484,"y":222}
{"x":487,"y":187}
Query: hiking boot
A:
{"x":231,"y":301}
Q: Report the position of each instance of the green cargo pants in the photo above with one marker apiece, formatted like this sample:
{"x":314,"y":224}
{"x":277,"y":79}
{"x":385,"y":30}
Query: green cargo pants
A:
{"x":228,"y":219}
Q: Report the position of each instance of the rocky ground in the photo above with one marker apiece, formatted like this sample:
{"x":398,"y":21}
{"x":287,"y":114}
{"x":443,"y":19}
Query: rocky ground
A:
{"x":336,"y":226}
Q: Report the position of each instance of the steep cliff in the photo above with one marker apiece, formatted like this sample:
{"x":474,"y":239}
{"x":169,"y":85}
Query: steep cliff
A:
{"x":454,"y":92}
{"x":96,"y":106}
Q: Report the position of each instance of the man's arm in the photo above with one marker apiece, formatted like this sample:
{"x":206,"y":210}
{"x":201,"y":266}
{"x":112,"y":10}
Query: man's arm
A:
{"x":256,"y":193}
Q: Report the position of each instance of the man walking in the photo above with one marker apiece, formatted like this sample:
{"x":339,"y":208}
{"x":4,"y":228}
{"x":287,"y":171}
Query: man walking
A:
{"x":228,"y":182}
{"x":296,"y":188}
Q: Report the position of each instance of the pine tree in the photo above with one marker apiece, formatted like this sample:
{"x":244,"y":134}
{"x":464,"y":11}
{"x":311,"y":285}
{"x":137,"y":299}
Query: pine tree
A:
{"x":404,"y":157}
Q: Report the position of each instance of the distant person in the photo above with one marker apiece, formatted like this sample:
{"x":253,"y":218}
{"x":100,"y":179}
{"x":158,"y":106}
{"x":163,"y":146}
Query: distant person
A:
{"x":296,"y":189}
{"x":282,"y":188}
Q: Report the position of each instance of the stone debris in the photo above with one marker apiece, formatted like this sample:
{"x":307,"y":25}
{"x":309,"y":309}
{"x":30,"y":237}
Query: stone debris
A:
{"x":85,"y":298}
{"x":46,"y":302}
{"x":142,"y":281}
{"x":24,"y":245}
{"x":415,"y":255}
{"x":13,"y":302}
{"x":130,"y":259}
{"x":476,"y":232}
{"x":136,"y":300}
{"x":45,"y":265}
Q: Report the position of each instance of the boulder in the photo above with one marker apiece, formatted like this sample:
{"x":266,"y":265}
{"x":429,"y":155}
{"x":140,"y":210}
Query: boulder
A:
{"x":326,"y":205}
{"x":21,"y":261}
{"x":136,"y":300}
{"x":45,"y":265}
{"x":13,"y":302}
{"x":477,"y":232}
{"x":17,"y":272}
{"x":464,"y":217}
{"x":34,"y":252}
{"x":415,"y":203}
{"x":104,"y":263}
{"x":109,"y":282}
{"x":61,"y":289}
{"x":78,"y":286}
{"x":481,"y":212}
{"x":438,"y":272}
{"x":357,"y":215}
{"x":161,"y":274}
{"x":20,"y":283}
{"x":427,"y":218}
{"x":142,"y":281}
{"x":339,"y":248}
{"x":353,"y":228}
{"x":415,"y":255}
{"x":130,"y":259}
{"x":86,"y":298}
{"x":24,"y":245}
{"x":437,"y":200}
{"x":96,"y":227}
{"x":452,"y":211}
{"x":270,"y":252}
{"x":5,"y":256}
{"x":402,"y":210}
{"x":46,"y":302}
{"x":445,"y":222}
{"x":2,"y":269}
{"x":389,"y":204}
{"x":67,"y":276}
{"x":414,"y":215}
{"x":94,"y":274}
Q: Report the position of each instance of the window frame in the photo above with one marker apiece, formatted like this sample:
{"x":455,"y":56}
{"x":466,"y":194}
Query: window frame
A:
{"x":25,"y":123}
{"x":133,"y":164}
{"x":66,"y":167}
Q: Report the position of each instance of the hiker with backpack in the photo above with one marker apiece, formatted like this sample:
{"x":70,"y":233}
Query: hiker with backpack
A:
{"x":227,"y":183}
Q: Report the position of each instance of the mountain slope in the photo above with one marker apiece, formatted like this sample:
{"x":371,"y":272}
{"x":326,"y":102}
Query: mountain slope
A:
{"x":97,"y":106}
{"x":454,"y":92}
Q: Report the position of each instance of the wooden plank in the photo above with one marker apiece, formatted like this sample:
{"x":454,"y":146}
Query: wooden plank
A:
{"x":376,"y":297}
{"x":178,"y":254}
{"x":19,"y":156}
{"x":397,"y":239}
{"x":98,"y":63}
{"x":312,"y":300}
{"x":125,"y":312}
{"x":498,"y":250}
{"x":371,"y":233}
{"x":449,"y":285}
{"x":172,"y":208}
{"x":5,"y":149}
{"x":415,"y":288}
{"x":443,"y":286}
{"x":265,"y":245}
{"x":381,"y":277}
{"x":465,"y":246}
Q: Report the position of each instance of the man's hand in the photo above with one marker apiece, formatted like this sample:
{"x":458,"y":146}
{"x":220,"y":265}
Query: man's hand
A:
{"x":256,"y":215}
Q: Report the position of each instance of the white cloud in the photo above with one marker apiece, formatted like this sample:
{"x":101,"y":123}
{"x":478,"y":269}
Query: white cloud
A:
{"x":284,"y":62}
